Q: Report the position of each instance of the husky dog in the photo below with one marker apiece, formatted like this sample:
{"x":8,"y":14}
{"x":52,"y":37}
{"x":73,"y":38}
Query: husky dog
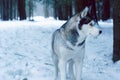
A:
{"x":68,"y":45}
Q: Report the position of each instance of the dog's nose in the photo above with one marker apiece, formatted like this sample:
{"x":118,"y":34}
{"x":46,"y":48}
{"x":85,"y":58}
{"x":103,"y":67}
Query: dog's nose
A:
{"x":100,"y":32}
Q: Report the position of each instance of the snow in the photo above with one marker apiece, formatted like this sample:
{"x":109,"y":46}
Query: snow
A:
{"x":25,"y":51}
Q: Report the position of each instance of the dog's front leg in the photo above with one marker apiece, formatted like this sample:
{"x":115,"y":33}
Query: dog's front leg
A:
{"x":71,"y":70}
{"x":78,"y":69}
{"x":56,"y":70}
{"x":62,"y":68}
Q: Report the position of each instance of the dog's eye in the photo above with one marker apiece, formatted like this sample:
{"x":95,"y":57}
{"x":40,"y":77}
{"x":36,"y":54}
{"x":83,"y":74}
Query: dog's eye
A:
{"x":91,"y":24}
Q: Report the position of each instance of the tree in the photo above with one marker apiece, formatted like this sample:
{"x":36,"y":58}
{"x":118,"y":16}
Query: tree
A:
{"x":1,"y":8}
{"x":5,"y":10}
{"x":10,"y":10}
{"x":15,"y":9}
{"x":69,"y":8}
{"x":106,"y":10}
{"x":46,"y":7}
{"x":79,"y":5}
{"x":55,"y":9}
{"x":21,"y":9}
{"x":92,"y":12}
{"x":116,"y":29}
{"x":29,"y":9}
{"x":62,"y":9}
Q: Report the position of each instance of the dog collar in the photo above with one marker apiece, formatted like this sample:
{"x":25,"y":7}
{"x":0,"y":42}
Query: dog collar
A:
{"x":80,"y":44}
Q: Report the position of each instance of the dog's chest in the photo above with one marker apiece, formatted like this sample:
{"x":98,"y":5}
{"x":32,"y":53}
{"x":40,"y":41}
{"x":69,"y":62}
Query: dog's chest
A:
{"x":73,"y":52}
{"x":79,"y":44}
{"x":69,"y":50}
{"x":64,"y":47}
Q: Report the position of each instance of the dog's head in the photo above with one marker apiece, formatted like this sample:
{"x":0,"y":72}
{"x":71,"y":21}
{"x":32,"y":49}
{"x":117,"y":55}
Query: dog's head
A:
{"x":83,"y":23}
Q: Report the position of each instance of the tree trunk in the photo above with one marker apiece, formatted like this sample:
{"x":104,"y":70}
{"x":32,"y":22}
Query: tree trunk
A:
{"x":116,"y":29}
{"x":59,"y":11}
{"x":79,"y":5}
{"x":69,"y":8}
{"x":11,"y":10}
{"x":15,"y":10}
{"x":5,"y":10}
{"x":30,"y":9}
{"x":1,"y":8}
{"x":46,"y":10}
{"x":62,"y":10}
{"x":21,"y":9}
{"x":92,"y":12}
{"x":55,"y":9}
{"x":106,"y":10}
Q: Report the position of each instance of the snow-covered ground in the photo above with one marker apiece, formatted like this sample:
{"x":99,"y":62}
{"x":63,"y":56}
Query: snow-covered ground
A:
{"x":25,"y":51}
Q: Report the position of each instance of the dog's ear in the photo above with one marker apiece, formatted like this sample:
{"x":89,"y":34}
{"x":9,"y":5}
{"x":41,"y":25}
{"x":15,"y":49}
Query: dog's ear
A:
{"x":84,"y":12}
{"x":76,"y":18}
{"x":73,"y":21}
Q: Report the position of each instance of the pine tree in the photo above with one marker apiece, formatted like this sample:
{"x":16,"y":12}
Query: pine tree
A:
{"x":21,"y":9}
{"x":80,"y":5}
{"x":92,"y":11}
{"x":55,"y":9}
{"x":29,"y":9}
{"x":5,"y":10}
{"x":46,"y":7}
{"x":10,"y":9}
{"x":106,"y":10}
{"x":116,"y":22}
{"x":62,"y":9}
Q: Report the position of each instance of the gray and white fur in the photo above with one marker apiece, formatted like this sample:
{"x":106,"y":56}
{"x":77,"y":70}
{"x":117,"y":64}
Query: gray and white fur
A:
{"x":68,"y":45}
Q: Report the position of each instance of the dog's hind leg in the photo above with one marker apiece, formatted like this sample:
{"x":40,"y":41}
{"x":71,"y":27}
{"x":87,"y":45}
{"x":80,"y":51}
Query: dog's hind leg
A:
{"x":56,"y":70}
{"x":71,"y":70}
{"x":62,"y":68}
{"x":55,"y":60}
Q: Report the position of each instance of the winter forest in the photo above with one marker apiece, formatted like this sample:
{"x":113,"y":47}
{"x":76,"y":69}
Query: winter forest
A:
{"x":26,"y":28}
{"x":61,"y":9}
